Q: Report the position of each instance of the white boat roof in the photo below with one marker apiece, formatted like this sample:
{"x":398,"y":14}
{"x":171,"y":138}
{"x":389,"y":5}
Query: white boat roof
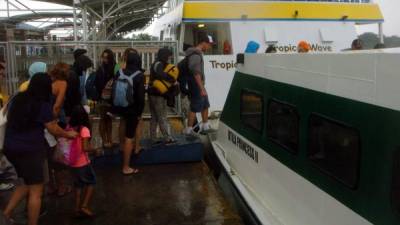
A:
{"x":367,"y":76}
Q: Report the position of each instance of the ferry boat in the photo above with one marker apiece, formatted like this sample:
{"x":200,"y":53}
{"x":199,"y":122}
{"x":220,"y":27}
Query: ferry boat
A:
{"x":329,"y":26}
{"x":313,"y":139}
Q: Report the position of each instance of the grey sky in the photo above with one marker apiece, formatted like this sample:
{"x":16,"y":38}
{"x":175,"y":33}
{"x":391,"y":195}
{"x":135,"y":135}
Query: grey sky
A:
{"x":390,"y":10}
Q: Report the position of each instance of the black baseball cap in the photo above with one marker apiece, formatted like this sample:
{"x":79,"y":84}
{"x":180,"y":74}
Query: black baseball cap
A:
{"x":204,"y":37}
{"x":78,"y":52}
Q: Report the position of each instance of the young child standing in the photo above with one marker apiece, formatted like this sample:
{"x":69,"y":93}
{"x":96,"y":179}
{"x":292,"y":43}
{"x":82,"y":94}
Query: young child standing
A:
{"x":82,"y":171}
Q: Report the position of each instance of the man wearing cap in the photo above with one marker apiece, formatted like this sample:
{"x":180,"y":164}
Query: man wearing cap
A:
{"x":73,"y":95}
{"x":196,"y":83}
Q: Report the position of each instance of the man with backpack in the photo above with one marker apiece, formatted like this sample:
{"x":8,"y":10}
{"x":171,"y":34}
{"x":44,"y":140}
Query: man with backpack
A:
{"x":160,"y":82}
{"x":128,"y":94}
{"x":192,"y":76}
{"x":73,"y":95}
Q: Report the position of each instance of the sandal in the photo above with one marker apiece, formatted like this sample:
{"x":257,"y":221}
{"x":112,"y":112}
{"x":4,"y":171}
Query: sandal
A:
{"x":134,"y":171}
{"x":170,"y":142}
{"x":137,"y":155}
{"x":85,"y":211}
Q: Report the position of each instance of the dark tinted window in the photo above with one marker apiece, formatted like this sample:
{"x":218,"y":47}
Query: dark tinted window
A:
{"x":335,"y":149}
{"x":283,"y":125}
{"x":251,"y":110}
{"x":396,"y":182}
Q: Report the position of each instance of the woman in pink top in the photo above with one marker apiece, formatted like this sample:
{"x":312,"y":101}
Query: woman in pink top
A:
{"x":82,"y":171}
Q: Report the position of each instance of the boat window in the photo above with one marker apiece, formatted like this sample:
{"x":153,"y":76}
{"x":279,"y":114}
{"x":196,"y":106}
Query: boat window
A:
{"x":251,"y":110}
{"x":335,"y":149}
{"x":396,"y":182}
{"x":283,"y":125}
{"x":220,"y":32}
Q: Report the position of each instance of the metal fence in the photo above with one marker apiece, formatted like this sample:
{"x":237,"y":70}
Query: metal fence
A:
{"x":19,"y":55}
{"x":22,"y":54}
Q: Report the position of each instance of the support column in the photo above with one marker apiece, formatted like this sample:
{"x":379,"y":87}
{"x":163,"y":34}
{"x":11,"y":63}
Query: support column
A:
{"x":181,"y":39}
{"x":8,"y":9}
{"x":381,"y":35}
{"x":75,"y":22}
{"x":85,"y":23}
{"x":94,"y":38}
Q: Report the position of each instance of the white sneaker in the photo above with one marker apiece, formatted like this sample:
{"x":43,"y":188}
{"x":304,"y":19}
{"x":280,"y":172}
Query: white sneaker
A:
{"x":206,"y":129}
{"x":188,"y":131}
{"x":6,"y":187}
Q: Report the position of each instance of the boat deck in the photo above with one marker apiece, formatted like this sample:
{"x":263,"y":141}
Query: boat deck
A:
{"x":161,"y":194}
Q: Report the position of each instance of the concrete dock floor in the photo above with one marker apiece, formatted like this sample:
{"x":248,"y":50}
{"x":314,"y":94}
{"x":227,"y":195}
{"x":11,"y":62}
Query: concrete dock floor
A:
{"x":170,"y":194}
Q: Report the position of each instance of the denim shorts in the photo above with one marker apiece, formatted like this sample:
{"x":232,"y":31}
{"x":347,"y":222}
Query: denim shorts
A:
{"x":199,"y":103}
{"x":84,"y":176}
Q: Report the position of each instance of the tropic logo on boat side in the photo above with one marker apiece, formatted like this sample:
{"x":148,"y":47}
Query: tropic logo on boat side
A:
{"x":223,"y":65}
{"x":314,"y":48}
{"x":242,"y":145}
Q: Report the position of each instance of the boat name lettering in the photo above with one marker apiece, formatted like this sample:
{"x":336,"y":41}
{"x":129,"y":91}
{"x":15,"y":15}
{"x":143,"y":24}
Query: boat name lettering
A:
{"x":223,"y":65}
{"x":314,"y":48}
{"x":242,"y":145}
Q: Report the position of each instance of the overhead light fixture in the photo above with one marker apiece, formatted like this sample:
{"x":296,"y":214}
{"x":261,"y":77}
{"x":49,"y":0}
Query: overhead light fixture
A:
{"x":201,"y":25}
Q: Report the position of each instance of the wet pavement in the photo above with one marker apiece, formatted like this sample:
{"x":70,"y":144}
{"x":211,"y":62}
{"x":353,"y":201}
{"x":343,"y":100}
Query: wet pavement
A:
{"x":170,"y":194}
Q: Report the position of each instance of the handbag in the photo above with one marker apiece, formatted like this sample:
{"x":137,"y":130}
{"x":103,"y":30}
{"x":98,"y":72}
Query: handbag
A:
{"x":3,"y":123}
{"x":62,"y":151}
{"x":106,"y":93}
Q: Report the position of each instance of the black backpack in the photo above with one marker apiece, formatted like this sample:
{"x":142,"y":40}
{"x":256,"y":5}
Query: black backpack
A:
{"x":73,"y":95}
{"x":184,"y":74}
{"x":91,"y":89}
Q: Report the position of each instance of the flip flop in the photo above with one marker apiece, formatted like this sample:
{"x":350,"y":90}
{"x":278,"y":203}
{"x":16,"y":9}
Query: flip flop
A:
{"x":134,"y":171}
{"x":137,"y":155}
{"x":171,"y":142}
{"x":85,"y":211}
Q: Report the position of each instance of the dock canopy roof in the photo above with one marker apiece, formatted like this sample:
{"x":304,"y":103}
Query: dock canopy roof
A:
{"x":35,"y":16}
{"x":117,"y":16}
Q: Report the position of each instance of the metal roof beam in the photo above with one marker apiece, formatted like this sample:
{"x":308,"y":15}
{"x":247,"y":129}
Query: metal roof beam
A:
{"x":111,"y":12}
{"x":94,"y":12}
{"x":116,"y":29}
{"x":26,"y":6}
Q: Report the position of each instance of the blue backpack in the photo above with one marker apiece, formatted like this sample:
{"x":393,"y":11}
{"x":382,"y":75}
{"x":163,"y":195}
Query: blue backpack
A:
{"x":123,"y":93}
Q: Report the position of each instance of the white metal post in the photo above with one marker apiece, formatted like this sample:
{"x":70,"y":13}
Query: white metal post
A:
{"x":85,"y":23}
{"x":75,"y":22}
{"x":181,"y":39}
{"x":94,"y":47}
{"x":381,"y":36}
{"x":8,"y":9}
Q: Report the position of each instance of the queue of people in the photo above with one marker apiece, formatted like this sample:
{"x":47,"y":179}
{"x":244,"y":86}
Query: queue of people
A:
{"x":48,"y":131}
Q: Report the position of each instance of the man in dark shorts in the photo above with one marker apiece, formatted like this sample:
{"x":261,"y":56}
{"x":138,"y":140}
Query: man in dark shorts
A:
{"x":196,"y":82}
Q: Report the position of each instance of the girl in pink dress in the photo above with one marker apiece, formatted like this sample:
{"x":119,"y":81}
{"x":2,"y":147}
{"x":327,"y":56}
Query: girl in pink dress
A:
{"x":82,"y":170}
